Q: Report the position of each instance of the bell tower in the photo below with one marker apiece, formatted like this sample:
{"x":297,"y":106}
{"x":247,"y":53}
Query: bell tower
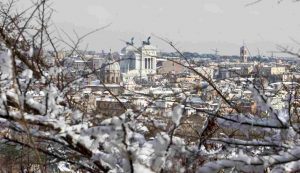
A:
{"x":244,"y":54}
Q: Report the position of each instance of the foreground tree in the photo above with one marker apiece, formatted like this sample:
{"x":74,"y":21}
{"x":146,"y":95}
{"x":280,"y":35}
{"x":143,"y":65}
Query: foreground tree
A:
{"x":38,"y":113}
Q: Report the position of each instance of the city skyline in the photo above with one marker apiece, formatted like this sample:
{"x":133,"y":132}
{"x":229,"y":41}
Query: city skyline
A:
{"x":187,"y":94}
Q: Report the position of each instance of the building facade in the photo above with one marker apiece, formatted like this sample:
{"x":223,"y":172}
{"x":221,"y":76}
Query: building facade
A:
{"x":138,"y":62}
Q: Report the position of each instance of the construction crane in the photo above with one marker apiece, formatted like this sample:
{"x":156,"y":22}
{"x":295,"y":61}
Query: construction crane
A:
{"x":216,"y":51}
{"x":272,"y":53}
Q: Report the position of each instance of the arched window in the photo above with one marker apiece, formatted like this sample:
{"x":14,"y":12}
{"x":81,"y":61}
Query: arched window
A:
{"x":117,"y":80}
{"x":107,"y":79}
{"x":113,"y":79}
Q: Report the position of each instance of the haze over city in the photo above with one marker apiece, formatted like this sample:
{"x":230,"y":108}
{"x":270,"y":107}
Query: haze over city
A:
{"x":194,"y":25}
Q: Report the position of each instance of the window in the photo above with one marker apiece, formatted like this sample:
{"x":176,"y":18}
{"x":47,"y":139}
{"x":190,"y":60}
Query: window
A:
{"x":146,"y":63}
{"x":112,"y":79}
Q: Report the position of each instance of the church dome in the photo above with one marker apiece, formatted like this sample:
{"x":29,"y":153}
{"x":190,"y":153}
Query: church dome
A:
{"x":111,"y":66}
{"x":110,"y":71}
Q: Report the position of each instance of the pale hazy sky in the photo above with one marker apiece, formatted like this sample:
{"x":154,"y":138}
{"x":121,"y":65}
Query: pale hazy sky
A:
{"x":194,"y":25}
